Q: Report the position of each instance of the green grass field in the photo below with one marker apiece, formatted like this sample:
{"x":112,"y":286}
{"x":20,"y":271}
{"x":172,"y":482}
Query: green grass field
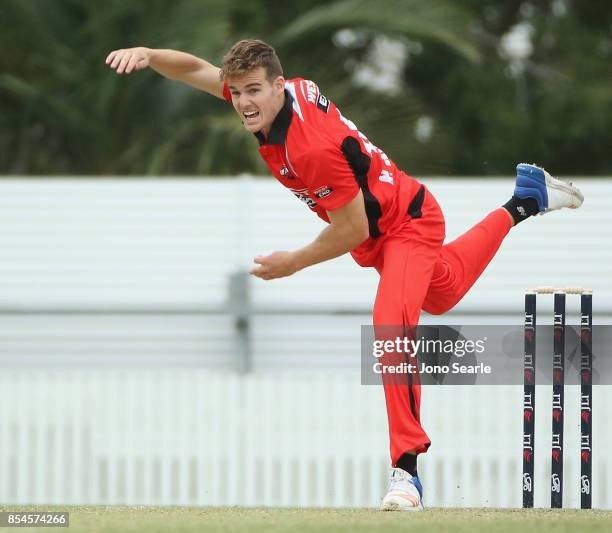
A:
{"x":189,"y":519}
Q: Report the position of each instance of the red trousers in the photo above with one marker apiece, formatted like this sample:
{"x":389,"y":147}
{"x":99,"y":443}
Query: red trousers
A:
{"x":418,"y":272}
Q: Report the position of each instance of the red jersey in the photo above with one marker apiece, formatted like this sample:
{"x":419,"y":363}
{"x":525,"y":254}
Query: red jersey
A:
{"x":323,"y":159}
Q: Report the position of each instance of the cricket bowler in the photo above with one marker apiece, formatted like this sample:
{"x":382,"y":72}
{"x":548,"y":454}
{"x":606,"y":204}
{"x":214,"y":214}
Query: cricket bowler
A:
{"x":383,"y":217}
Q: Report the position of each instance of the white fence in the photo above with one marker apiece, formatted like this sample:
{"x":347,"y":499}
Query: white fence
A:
{"x":109,"y":334}
{"x":113,"y":244}
{"x":204,"y":438}
{"x":122,"y":271}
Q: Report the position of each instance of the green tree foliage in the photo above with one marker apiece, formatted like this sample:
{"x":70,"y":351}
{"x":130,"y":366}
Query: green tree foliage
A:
{"x":458,"y":105}
{"x":553,"y":107}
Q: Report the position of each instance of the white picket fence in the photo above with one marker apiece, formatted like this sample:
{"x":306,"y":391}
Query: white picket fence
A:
{"x":196,"y":437}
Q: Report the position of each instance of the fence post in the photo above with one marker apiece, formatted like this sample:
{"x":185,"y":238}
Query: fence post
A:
{"x":239,"y":305}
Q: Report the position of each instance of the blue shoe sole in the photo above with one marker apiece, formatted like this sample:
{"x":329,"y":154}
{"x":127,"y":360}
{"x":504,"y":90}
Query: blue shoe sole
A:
{"x":531,"y":183}
{"x":417,"y":483}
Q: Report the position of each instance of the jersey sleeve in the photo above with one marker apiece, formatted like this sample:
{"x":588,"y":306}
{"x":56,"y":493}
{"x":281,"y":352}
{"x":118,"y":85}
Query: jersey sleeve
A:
{"x":329,"y":178}
{"x":226,"y":92}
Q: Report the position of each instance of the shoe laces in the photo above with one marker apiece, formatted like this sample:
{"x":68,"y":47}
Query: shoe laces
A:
{"x":397,"y":474}
{"x":399,"y":477}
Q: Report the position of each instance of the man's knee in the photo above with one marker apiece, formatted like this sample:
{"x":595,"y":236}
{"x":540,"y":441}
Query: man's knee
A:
{"x":438,"y":307}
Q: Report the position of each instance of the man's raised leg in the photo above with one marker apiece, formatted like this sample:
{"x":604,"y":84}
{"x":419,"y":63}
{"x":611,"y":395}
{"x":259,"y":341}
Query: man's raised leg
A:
{"x":463,"y":260}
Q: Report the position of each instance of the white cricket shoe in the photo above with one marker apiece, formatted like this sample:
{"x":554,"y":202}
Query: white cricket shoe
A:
{"x":405,"y":492}
{"x":550,"y":193}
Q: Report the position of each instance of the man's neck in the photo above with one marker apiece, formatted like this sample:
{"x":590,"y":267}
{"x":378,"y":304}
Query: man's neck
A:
{"x":280,"y":105}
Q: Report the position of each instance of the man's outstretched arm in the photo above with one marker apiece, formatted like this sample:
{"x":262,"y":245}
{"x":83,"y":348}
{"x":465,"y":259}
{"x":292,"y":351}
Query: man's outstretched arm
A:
{"x":348,"y":229}
{"x":171,"y":64}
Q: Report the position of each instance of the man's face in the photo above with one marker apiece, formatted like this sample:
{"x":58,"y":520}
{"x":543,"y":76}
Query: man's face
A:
{"x":256,"y":99}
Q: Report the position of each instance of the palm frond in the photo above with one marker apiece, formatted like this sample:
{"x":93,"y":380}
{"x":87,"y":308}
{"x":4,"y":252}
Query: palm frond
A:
{"x":435,"y":20}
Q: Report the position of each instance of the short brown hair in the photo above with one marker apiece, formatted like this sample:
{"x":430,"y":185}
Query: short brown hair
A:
{"x":247,"y":55}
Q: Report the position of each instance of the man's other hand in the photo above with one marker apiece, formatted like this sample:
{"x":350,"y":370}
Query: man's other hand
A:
{"x":276,"y":265}
{"x":128,"y":59}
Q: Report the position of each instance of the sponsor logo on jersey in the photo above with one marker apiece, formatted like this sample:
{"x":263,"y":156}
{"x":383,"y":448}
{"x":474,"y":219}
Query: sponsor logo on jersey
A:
{"x":284,"y":172}
{"x":322,"y":192}
{"x":312,"y":91}
{"x":386,"y":177}
{"x":323,"y":103}
{"x":302,"y":195}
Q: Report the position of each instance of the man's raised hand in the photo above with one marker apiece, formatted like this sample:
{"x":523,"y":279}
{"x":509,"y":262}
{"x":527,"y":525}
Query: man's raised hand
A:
{"x":128,"y":59}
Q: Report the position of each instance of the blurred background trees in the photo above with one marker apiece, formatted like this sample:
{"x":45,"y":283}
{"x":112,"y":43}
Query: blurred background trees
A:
{"x":444,"y":87}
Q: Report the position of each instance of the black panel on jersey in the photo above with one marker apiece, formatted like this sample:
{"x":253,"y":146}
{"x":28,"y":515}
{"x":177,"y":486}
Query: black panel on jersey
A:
{"x":360,"y":165}
{"x":414,"y":209}
{"x":280,"y":126}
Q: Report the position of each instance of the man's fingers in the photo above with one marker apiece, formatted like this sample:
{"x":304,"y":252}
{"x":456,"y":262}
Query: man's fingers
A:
{"x":256,"y":270}
{"x":126,"y":61}
{"x":261,"y":272}
{"x":131,"y":64}
{"x":116,"y":59}
{"x":123,"y":64}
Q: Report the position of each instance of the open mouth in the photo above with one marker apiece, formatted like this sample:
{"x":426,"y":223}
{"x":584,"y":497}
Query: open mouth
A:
{"x":251,"y":116}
